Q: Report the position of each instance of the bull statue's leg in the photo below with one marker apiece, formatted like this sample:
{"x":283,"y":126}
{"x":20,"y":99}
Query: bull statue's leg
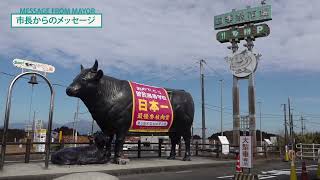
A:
{"x":118,"y":147}
{"x":108,"y":145}
{"x":187,"y":138}
{"x":174,"y":141}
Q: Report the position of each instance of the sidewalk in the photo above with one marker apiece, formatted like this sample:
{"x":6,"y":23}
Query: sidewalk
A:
{"x":135,"y":166}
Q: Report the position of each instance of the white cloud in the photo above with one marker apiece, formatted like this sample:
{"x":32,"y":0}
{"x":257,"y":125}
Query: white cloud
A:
{"x":167,"y":33}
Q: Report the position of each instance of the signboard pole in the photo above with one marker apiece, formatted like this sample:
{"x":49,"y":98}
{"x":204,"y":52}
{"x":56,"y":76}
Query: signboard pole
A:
{"x":251,"y":98}
{"x":236,"y":112}
{"x":236,"y":106}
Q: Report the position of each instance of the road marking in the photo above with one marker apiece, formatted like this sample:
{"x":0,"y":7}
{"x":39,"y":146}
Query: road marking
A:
{"x":265,"y":177}
{"x":179,"y":172}
{"x":273,"y":173}
{"x":312,"y":166}
{"x":225,"y":177}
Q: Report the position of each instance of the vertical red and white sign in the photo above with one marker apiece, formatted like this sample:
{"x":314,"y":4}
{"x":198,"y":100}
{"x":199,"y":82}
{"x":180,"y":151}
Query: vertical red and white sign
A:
{"x":245,"y":152}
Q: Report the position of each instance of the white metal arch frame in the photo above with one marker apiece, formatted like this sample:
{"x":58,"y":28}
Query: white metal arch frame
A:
{"x":7,"y":116}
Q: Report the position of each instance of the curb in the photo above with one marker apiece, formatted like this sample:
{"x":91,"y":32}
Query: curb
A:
{"x":121,"y":172}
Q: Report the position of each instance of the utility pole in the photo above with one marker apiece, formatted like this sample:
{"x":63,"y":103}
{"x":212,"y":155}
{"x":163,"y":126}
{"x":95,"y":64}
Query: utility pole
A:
{"x":290,"y":123}
{"x":285,"y":124}
{"x":92,"y":127}
{"x":221,"y":105}
{"x":202,"y":104}
{"x":291,"y":126}
{"x":302,"y":126}
{"x":260,"y":124}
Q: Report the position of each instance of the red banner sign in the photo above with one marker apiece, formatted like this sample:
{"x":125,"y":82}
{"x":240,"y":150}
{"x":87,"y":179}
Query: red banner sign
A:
{"x":152,"y":111}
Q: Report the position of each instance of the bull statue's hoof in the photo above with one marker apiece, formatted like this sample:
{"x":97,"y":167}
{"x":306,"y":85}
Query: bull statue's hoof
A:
{"x":186,"y":158}
{"x":171,"y":158}
{"x":120,"y":161}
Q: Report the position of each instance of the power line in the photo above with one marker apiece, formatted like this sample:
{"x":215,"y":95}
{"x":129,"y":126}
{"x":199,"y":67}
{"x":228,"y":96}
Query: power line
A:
{"x":218,"y":74}
{"x":173,"y":75}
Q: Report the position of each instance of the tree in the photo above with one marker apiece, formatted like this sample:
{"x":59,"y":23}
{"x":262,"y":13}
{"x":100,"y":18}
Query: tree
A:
{"x":196,"y":136}
{"x":14,"y":133}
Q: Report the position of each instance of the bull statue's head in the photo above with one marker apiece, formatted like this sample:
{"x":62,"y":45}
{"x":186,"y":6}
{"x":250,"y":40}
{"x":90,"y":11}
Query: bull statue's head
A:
{"x":86,"y":81}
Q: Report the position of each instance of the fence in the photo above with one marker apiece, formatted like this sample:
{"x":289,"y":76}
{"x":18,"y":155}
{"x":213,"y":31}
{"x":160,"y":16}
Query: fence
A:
{"x":135,"y":149}
{"x":307,"y":151}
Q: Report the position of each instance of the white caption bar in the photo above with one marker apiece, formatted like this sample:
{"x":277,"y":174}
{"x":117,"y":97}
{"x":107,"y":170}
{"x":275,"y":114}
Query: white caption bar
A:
{"x":56,"y":20}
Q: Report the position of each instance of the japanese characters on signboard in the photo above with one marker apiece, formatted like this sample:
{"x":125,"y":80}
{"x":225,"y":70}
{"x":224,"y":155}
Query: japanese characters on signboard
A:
{"x":241,"y":33}
{"x":56,"y":17}
{"x":56,"y":20}
{"x":243,"y":16}
{"x":245,"y":152}
{"x":152,"y":111}
{"x":34,"y":66}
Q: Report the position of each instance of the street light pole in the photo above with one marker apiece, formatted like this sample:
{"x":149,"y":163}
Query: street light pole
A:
{"x":221,"y":105}
{"x":76,"y":122}
{"x":74,"y":126}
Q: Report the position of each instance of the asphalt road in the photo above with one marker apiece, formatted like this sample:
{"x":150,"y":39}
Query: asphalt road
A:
{"x":265,"y":170}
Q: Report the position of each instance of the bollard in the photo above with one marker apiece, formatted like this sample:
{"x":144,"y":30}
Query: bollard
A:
{"x":197,"y":148}
{"x":293,"y":173}
{"x":28,"y":149}
{"x":159,"y":147}
{"x":286,"y":155}
{"x":139,"y":149}
{"x":238,"y":168}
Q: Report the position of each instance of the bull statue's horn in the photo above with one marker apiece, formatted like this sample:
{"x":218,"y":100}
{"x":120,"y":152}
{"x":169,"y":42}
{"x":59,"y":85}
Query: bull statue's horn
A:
{"x":95,"y":66}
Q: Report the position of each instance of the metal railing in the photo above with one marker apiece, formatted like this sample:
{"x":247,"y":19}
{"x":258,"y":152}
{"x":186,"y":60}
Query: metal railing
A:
{"x":145,"y":149}
{"x":307,"y":151}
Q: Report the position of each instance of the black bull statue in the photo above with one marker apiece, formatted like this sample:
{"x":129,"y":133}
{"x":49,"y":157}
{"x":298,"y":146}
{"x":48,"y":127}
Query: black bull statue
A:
{"x":109,"y":101}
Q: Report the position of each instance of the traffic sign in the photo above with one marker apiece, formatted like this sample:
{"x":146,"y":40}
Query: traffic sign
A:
{"x":35,"y":66}
{"x":244,"y":16}
{"x":254,"y":31}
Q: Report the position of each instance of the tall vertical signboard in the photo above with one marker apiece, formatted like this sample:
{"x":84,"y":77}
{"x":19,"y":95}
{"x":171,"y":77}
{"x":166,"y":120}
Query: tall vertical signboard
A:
{"x":245,"y":152}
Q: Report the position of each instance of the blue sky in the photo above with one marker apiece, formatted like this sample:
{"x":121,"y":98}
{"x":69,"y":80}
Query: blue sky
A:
{"x":159,"y":43}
